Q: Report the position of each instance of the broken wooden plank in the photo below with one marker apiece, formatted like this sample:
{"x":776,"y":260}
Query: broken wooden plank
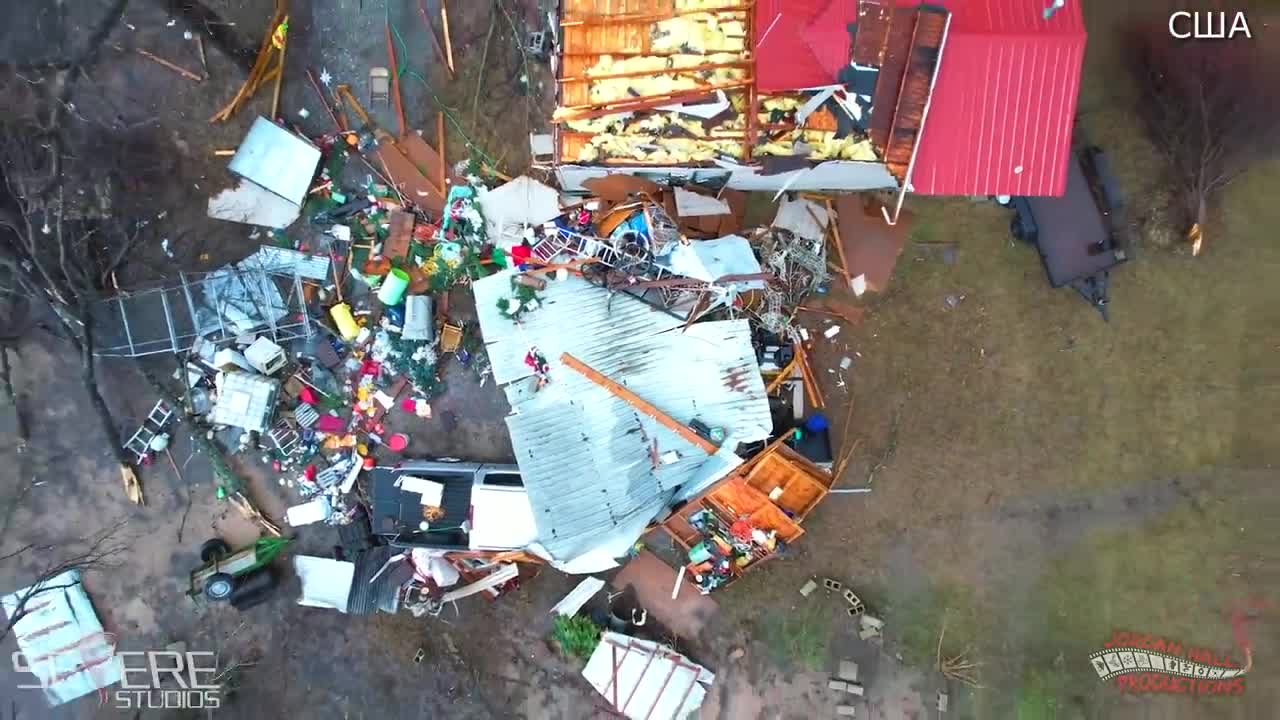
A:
{"x":425,"y":158}
{"x":635,"y":401}
{"x":399,"y":236}
{"x":415,"y":187}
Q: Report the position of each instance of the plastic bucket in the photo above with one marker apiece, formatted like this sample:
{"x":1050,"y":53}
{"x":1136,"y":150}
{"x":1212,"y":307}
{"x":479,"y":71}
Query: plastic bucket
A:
{"x":341,"y":314}
{"x":394,"y":286}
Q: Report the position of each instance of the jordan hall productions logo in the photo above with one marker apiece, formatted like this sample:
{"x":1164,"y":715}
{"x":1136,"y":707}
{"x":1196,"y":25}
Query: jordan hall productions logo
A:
{"x":1145,"y":664}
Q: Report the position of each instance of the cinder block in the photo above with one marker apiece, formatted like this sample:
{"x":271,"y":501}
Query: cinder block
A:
{"x":833,"y":585}
{"x":845,"y":710}
{"x":838,"y":685}
{"x":848,"y":670}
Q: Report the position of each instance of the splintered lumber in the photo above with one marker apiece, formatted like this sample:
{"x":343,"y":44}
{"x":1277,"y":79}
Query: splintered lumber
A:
{"x":132,"y":486}
{"x":776,"y":383}
{"x":639,"y":403}
{"x":833,"y":220}
{"x":275,"y":94}
{"x":448,"y":42}
{"x":251,"y":512}
{"x":810,"y":382}
{"x":435,"y":41}
{"x":440,"y":150}
{"x":259,"y":74}
{"x":165,"y":63}
{"x":395,"y":78}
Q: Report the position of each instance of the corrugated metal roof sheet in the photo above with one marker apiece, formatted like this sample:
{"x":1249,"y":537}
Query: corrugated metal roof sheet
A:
{"x":574,"y":315}
{"x":801,"y":43}
{"x":1004,"y":102}
{"x":584,"y":454}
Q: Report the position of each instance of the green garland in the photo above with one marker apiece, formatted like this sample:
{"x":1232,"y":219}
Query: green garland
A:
{"x":523,"y":294}
{"x":422,"y":375}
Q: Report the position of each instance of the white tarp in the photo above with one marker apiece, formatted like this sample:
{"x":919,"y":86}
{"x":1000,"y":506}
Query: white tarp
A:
{"x":325,"y":583}
{"x":649,"y":680}
{"x":521,"y":203}
{"x":61,"y":638}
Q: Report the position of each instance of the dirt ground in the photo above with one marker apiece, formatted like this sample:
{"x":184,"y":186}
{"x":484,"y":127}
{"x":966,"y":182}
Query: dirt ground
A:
{"x":1039,"y":477}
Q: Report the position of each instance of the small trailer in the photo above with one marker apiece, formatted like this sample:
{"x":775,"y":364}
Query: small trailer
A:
{"x":1077,"y":234}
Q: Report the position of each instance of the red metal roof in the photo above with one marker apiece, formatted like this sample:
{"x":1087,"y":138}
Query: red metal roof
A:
{"x":801,"y":43}
{"x":1004,"y":102}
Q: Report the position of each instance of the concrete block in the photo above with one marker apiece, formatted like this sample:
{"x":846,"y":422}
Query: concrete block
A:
{"x":845,"y":710}
{"x":848,"y":670}
{"x":854,"y":688}
{"x":807,"y":589}
{"x":833,"y":585}
{"x":838,"y":685}
{"x":942,"y":702}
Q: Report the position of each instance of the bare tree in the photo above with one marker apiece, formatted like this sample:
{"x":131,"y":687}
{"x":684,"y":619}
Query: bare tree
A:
{"x":1212,"y":109}
{"x":59,"y":241}
{"x":95,"y":552}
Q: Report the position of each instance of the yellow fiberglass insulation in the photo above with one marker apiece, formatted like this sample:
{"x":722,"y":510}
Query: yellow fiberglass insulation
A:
{"x":618,"y":89}
{"x":823,"y":145}
{"x":665,"y":150}
{"x":699,"y":33}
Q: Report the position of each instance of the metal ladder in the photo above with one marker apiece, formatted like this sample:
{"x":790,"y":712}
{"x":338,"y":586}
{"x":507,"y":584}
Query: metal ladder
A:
{"x":155,"y":423}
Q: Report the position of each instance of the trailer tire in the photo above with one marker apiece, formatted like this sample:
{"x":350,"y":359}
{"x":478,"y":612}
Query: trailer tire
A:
{"x":214,"y":549}
{"x":219,"y":586}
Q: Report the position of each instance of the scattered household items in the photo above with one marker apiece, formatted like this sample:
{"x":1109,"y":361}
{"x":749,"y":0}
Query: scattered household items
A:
{"x":643,"y":679}
{"x":748,"y":517}
{"x":61,"y":638}
{"x":1077,"y":234}
{"x":275,"y":168}
{"x":241,"y":577}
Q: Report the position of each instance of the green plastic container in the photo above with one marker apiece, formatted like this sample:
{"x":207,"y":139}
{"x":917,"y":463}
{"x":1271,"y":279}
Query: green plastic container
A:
{"x":394,"y":286}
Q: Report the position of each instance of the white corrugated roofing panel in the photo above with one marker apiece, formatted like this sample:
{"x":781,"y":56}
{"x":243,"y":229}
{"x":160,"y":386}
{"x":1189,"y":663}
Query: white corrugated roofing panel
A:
{"x":574,"y":315}
{"x":585,"y":455}
{"x":61,"y":638}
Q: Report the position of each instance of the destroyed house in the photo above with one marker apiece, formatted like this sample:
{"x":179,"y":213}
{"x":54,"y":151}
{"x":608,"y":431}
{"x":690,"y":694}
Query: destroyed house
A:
{"x":956,"y":97}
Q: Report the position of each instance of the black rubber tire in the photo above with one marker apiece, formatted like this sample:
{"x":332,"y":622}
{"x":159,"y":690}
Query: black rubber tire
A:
{"x":214,"y":549}
{"x":218,"y":587}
